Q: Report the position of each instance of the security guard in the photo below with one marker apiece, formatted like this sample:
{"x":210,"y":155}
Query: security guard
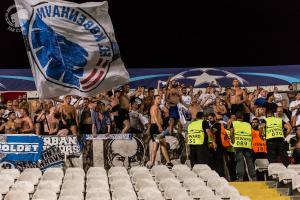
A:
{"x":198,"y":132}
{"x":241,"y":134}
{"x":273,"y":127}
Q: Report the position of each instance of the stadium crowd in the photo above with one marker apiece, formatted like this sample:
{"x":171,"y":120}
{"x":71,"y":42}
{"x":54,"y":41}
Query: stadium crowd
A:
{"x":224,"y":126}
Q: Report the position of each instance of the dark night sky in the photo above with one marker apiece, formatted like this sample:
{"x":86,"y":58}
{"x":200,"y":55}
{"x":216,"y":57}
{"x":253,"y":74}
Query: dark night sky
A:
{"x":191,"y":33}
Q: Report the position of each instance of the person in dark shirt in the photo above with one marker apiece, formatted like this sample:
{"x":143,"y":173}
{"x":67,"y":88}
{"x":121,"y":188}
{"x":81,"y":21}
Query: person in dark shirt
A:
{"x":270,"y":105}
{"x":217,"y":155}
{"x":291,"y":93}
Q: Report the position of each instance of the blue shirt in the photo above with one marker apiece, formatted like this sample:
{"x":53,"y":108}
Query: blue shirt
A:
{"x":101,"y":125}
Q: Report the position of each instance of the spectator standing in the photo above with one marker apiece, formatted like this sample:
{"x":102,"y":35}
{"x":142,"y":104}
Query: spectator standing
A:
{"x":241,"y":135}
{"x":101,"y":120}
{"x":294,"y":105}
{"x":197,"y":140}
{"x":274,"y":133}
{"x":291,"y":93}
{"x":296,"y":152}
{"x":277,"y":96}
{"x":270,"y":105}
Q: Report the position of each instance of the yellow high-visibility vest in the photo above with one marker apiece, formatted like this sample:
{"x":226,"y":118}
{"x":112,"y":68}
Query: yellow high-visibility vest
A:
{"x":274,"y":128}
{"x":195,"y":133}
{"x":242,"y":135}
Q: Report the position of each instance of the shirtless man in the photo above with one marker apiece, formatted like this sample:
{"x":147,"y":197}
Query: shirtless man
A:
{"x":27,"y":125}
{"x":173,"y":98}
{"x":155,"y":129}
{"x":9,"y":127}
{"x":195,"y":108}
{"x":68,"y":115}
{"x":237,"y":97}
{"x":51,"y":125}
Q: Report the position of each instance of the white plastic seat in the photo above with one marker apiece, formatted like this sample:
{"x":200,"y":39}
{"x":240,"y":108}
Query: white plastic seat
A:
{"x":124,"y":194}
{"x":115,"y":170}
{"x":75,"y":170}
{"x":6,"y":178}
{"x":69,"y":198}
{"x":71,"y":193}
{"x":275,"y":168}
{"x":190,"y":183}
{"x":44,"y":194}
{"x":55,"y":170}
{"x":137,"y":169}
{"x":161,"y":176}
{"x":207,"y":174}
{"x":140,"y":176}
{"x":49,"y":185}
{"x":96,"y":190}
{"x":15,"y":173}
{"x":98,"y":198}
{"x":121,"y":184}
{"x":296,"y":182}
{"x":73,"y":176}
{"x":23,"y":185}
{"x":98,"y":193}
{"x":156,"y":169}
{"x":96,"y":169}
{"x":180,"y":167}
{"x":53,"y":176}
{"x":97,"y":184}
{"x":173,"y":192}
{"x":17,"y":195}
{"x":182,"y":198}
{"x":287,"y":175}
{"x":148,"y":192}
{"x":74,"y":185}
{"x":144,"y":183}
{"x":227,"y":191}
{"x":36,"y":171}
{"x":200,"y":167}
{"x":169,"y":183}
{"x":32,"y":177}
{"x":114,"y":177}
{"x":216,"y":182}
{"x":201,"y":192}
{"x":4,"y":188}
{"x":96,"y":174}
{"x":261,"y":165}
{"x":186,"y":175}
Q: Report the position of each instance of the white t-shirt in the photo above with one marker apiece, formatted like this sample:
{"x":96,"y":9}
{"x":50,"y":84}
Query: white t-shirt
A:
{"x":186,"y":99}
{"x":278,"y":97}
{"x":210,"y":99}
{"x":294,"y":104}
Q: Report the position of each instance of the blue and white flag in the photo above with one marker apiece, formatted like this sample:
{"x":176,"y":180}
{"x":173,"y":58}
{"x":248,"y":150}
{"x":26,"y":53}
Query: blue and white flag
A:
{"x":71,"y":47}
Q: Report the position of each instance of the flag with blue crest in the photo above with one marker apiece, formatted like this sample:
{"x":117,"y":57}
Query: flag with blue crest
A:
{"x":71,"y":47}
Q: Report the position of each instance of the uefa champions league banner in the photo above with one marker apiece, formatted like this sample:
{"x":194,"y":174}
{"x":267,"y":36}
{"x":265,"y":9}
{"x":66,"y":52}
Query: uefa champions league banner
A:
{"x":20,"y":147}
{"x":71,"y":47}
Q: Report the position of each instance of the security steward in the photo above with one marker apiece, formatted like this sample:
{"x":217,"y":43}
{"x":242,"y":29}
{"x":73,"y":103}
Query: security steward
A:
{"x":197,"y":140}
{"x":273,"y":127}
{"x":241,"y":134}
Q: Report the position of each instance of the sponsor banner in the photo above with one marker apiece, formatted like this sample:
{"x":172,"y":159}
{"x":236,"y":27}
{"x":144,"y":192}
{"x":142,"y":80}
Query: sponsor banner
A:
{"x":20,"y":147}
{"x":51,"y":157}
{"x":109,"y":137}
{"x":68,"y":145}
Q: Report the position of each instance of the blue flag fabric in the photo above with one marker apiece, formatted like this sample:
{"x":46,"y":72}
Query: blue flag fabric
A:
{"x":20,"y":147}
{"x":71,"y":47}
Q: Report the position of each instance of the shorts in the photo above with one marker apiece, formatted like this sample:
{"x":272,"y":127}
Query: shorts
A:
{"x":236,"y":108}
{"x":174,"y":112}
{"x":154,"y":132}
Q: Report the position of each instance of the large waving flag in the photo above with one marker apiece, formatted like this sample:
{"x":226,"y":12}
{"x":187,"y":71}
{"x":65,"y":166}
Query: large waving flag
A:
{"x":71,"y":47}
